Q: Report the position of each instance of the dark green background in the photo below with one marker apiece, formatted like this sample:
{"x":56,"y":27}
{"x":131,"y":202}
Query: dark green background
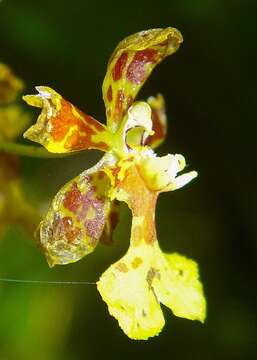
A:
{"x":210,"y":90}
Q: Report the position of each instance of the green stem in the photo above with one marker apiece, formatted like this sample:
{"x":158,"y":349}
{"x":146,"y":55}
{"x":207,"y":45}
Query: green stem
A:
{"x":28,"y":150}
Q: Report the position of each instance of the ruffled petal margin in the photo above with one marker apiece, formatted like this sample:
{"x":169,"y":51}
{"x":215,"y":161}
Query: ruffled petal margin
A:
{"x":134,"y":287}
{"x":61,"y":127}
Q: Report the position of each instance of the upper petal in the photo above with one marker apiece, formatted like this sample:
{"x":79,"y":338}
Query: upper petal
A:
{"x":76,"y":218}
{"x":61,"y":127}
{"x":130,"y":65}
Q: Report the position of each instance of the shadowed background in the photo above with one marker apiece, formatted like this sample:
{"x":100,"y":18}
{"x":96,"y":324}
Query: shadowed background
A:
{"x":210,"y":90}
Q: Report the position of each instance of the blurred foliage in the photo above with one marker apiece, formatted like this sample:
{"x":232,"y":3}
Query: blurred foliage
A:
{"x":14,"y":207}
{"x":210,"y":90}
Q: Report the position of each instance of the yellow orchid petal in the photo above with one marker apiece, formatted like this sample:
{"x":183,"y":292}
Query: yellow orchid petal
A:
{"x":76,"y":218}
{"x":159,"y":120}
{"x":179,"y":288}
{"x":129,"y":296}
{"x":134,"y":286}
{"x":10,"y":85}
{"x":130,"y":64}
{"x":63,"y":128}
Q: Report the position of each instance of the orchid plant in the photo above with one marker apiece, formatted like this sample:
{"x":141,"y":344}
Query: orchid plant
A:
{"x":85,"y":210}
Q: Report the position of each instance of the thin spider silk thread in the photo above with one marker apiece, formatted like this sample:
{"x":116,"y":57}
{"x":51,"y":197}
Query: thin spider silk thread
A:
{"x":21,"y":281}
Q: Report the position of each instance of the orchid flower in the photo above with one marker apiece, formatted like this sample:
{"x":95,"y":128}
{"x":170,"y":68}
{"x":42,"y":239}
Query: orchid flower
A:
{"x":85,"y":210}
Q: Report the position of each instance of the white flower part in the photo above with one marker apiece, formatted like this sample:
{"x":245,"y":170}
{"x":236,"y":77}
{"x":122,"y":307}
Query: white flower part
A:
{"x":181,"y":181}
{"x":139,"y":117}
{"x":44,"y":92}
{"x":160,"y":173}
{"x":139,"y":114}
{"x":175,"y":163}
{"x":143,"y":153}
